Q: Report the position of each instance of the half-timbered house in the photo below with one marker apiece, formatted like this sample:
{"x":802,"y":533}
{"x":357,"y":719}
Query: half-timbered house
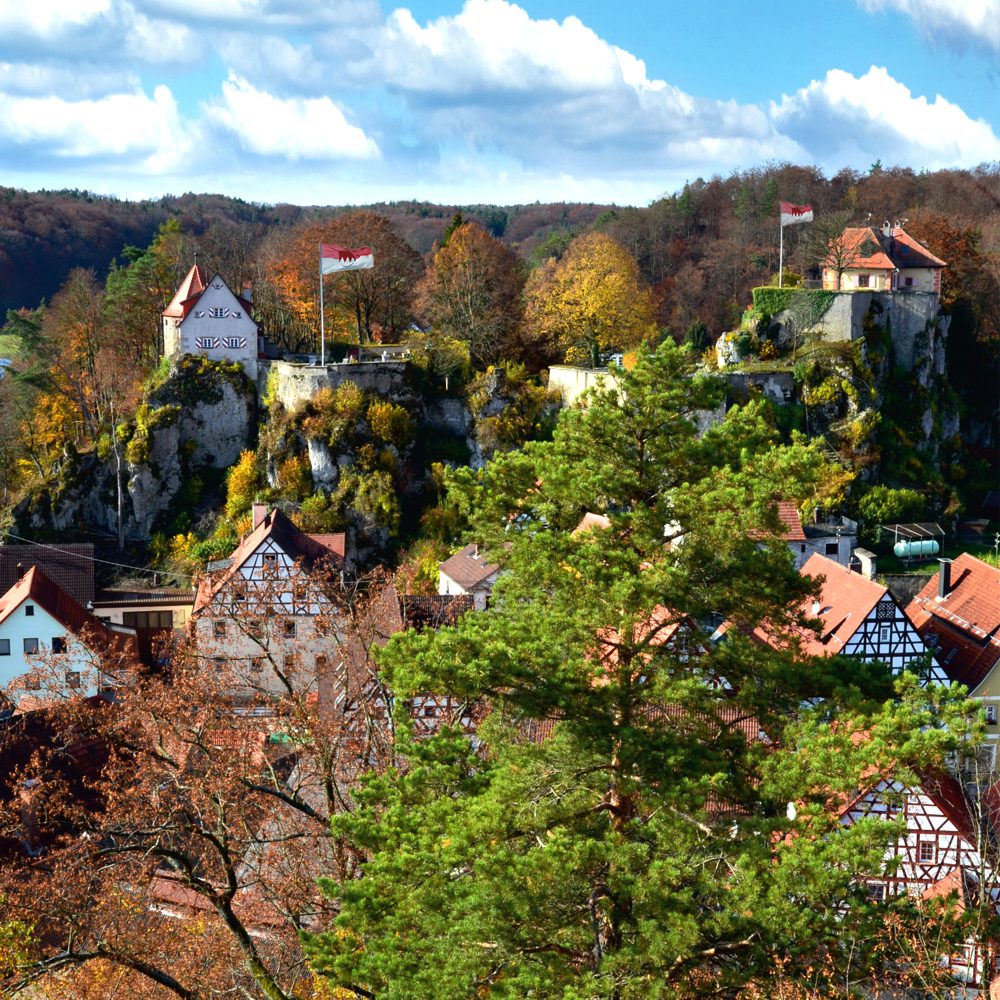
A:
{"x":943,"y":848}
{"x":958,"y":614}
{"x":268,"y":615}
{"x":858,"y":617}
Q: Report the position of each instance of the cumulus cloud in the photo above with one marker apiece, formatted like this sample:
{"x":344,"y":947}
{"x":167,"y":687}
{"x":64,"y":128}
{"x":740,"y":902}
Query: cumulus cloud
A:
{"x":114,"y":30}
{"x":291,"y":128}
{"x":146,"y":132}
{"x":272,"y":13}
{"x":960,"y":23}
{"x":843,"y":119}
{"x":551,"y":92}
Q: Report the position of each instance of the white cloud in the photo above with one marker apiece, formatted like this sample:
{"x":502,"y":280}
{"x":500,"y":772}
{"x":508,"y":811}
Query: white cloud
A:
{"x":551,"y":92}
{"x":961,"y":23}
{"x":82,"y":81}
{"x":292,"y":128}
{"x":132,"y":127}
{"x":272,"y":13}
{"x":89,"y":30}
{"x":848,"y":120}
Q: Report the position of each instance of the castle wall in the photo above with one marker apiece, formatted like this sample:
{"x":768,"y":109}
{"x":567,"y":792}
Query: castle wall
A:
{"x":292,"y":384}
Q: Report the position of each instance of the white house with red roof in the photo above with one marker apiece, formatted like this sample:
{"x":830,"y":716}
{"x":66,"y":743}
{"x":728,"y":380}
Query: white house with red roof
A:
{"x":266,"y":616}
{"x":50,"y":645}
{"x":205,"y":317}
{"x":857,"y":617}
{"x":881,"y":260}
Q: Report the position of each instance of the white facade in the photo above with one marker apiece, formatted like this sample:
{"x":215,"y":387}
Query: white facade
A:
{"x":38,"y":657}
{"x":218,"y":326}
{"x":480,"y":593}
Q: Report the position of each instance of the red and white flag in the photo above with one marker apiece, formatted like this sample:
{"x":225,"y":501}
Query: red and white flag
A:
{"x":791,"y":214}
{"x":336,"y":258}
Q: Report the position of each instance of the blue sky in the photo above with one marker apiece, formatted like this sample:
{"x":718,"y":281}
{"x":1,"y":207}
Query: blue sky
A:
{"x":356,"y":101}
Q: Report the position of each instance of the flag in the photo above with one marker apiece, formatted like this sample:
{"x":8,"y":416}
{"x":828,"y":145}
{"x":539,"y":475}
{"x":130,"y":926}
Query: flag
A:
{"x":791,"y":214}
{"x":336,"y":258}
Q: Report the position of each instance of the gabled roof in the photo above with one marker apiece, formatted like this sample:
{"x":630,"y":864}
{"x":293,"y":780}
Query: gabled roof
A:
{"x":944,"y":791}
{"x":37,"y":588}
{"x":845,"y":601}
{"x":591,"y":521}
{"x":468,"y":568}
{"x":70,"y":566}
{"x":886,"y":252}
{"x":851,"y":246}
{"x":194,"y":283}
{"x":966,"y":622}
{"x":908,"y":252}
{"x":309,"y":550}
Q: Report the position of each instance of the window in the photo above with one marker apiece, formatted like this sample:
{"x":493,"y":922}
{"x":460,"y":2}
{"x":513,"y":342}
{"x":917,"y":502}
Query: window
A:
{"x":802,"y":548}
{"x":270,"y":560}
{"x":288,"y":627}
{"x":863,"y":280}
{"x":257,"y":664}
{"x":33,"y":681}
{"x":219,"y":662}
{"x":72,"y":678}
{"x":58,"y":644}
{"x":4,"y":647}
{"x":833,"y":548}
{"x":991,"y":714}
{"x":219,"y":629}
{"x":884,"y":633}
{"x":299,"y":592}
{"x":876,"y":892}
{"x":30,"y":647}
{"x":908,"y":282}
{"x":429,"y":710}
{"x":289,"y":662}
{"x":148,"y":619}
{"x":927,"y":850}
{"x":29,"y":610}
{"x":239,"y":593}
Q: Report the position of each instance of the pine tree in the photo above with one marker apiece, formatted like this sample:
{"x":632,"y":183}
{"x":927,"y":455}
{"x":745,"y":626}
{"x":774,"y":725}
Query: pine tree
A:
{"x":620,"y":828}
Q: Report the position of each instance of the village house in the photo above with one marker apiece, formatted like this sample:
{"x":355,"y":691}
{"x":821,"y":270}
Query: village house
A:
{"x":467,"y":573}
{"x":858,"y":617}
{"x":52,"y":646}
{"x":958,"y":615}
{"x":881,"y":260}
{"x":267,"y":614}
{"x":944,"y":848}
{"x":204,"y":317}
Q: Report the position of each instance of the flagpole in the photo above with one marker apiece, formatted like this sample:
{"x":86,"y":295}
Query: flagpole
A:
{"x":322,"y":318}
{"x":781,"y":250}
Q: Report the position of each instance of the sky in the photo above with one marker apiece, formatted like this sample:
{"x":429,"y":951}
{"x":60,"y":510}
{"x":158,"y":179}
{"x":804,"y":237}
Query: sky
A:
{"x":332,"y":102}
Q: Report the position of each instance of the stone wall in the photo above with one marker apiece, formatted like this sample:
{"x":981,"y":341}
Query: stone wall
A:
{"x":293,"y":384}
{"x":571,"y":381}
{"x":777,"y":386}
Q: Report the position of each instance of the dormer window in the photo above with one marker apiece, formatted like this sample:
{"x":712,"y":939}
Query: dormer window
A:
{"x":29,"y":610}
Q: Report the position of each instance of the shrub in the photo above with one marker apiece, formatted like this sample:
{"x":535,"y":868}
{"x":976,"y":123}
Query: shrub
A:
{"x":242,"y":483}
{"x":295,"y":477}
{"x":390,"y":422}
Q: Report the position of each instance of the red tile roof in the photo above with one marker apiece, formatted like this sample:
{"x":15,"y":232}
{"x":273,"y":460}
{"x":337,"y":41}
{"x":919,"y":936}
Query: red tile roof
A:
{"x":966,"y":622}
{"x":887,"y":252}
{"x":71,"y":566}
{"x":852,"y":240}
{"x":468,"y":568}
{"x":36,"y":587}
{"x":845,"y":600}
{"x":788,"y":514}
{"x":590,"y":521}
{"x":309,"y":549}
{"x":194,"y":283}
{"x":908,"y":252}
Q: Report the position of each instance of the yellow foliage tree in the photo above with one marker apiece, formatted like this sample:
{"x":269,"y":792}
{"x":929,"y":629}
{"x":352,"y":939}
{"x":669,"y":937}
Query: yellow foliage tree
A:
{"x":242,"y":484}
{"x":591,"y":300}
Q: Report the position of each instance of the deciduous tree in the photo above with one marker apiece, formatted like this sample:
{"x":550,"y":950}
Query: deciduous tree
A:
{"x":591,"y":300}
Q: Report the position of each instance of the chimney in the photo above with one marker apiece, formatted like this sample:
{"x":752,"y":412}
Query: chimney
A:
{"x":944,"y":578}
{"x":259,"y":513}
{"x":867,"y":560}
{"x":816,"y":608}
{"x":20,"y":570}
{"x":887,"y":228}
{"x":248,"y":292}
